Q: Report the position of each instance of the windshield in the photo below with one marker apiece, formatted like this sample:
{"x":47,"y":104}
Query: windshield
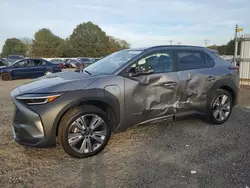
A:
{"x":111,"y":63}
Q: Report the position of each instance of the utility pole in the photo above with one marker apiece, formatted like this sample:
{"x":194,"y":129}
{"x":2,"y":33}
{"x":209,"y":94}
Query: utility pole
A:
{"x":236,"y":44}
{"x":170,"y":42}
{"x":206,"y":41}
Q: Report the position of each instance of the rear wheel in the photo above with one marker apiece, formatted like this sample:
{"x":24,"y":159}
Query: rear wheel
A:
{"x":220,"y":107}
{"x":6,"y":77}
{"x":84,"y":131}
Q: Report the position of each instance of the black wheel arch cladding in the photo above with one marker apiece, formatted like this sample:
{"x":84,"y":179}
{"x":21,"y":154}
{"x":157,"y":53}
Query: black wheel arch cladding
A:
{"x":228,"y":85}
{"x":95,"y":97}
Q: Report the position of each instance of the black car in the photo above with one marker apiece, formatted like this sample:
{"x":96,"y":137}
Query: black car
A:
{"x":127,"y":88}
{"x":28,"y":68}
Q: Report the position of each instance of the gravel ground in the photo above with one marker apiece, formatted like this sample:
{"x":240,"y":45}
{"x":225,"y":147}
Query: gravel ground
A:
{"x":146,"y":156}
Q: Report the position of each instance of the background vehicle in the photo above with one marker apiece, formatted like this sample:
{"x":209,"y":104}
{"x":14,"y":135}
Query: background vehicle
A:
{"x":12,"y":58}
{"x":3,"y":62}
{"x":72,"y":63}
{"x":28,"y":68}
{"x":59,"y":62}
{"x":126,"y":88}
{"x":83,"y":62}
{"x":96,"y":59}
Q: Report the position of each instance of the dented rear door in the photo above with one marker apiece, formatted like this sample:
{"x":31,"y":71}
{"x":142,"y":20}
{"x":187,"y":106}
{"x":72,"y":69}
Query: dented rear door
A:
{"x":195,"y":81}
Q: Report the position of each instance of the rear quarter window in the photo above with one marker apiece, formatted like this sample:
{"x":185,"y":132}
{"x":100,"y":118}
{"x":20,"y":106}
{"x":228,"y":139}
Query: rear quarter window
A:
{"x":209,"y":60}
{"x":189,"y":60}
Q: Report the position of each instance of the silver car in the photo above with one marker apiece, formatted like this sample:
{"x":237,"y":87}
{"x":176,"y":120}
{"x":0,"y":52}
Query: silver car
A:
{"x":127,"y":88}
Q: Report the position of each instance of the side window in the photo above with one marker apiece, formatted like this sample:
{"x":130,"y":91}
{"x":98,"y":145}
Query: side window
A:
{"x":31,"y":63}
{"x":158,"y":62}
{"x":37,"y":62}
{"x":209,"y":60}
{"x":191,"y":60}
{"x":21,"y":64}
{"x":44,"y":63}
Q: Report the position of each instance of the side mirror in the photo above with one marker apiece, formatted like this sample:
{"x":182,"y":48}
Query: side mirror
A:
{"x":143,"y":70}
{"x":140,"y":70}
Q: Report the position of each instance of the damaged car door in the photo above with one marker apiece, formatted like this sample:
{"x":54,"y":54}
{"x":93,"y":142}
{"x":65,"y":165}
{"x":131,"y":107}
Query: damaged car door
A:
{"x":196,"y":77}
{"x":151,"y":88}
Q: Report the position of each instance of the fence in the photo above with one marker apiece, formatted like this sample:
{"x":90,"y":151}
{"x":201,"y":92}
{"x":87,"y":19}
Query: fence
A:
{"x":245,"y":60}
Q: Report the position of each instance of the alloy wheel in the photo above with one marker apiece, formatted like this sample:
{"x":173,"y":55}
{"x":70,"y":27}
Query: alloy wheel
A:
{"x":221,"y":107}
{"x":87,"y":133}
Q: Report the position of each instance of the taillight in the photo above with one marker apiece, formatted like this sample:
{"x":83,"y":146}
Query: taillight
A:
{"x":233,"y":67}
{"x":59,"y":65}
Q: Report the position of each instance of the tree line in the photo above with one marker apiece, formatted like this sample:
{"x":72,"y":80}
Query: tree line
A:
{"x":226,"y":49}
{"x":87,"y":40}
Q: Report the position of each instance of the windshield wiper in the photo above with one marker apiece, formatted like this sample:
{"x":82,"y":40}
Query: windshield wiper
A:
{"x":87,"y":72}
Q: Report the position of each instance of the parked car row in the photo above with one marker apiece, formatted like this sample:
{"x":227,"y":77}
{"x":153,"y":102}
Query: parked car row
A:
{"x":37,"y":67}
{"x":74,"y":63}
{"x":28,"y":68}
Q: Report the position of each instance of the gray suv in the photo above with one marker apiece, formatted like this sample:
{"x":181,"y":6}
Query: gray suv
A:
{"x":129,"y":87}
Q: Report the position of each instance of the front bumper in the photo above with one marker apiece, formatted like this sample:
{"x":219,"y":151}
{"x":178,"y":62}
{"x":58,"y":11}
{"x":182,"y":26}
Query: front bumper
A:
{"x":28,"y":127}
{"x":36,"y":125}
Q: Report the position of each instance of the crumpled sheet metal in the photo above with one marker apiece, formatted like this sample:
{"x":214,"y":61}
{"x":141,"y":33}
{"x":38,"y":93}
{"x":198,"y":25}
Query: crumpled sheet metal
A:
{"x":155,"y":99}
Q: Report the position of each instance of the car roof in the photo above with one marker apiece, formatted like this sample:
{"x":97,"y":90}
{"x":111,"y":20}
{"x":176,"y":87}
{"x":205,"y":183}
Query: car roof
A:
{"x":186,"y":47}
{"x":34,"y":58}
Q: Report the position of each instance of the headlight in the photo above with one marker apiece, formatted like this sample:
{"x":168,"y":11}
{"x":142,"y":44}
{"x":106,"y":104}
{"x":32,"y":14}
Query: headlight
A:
{"x":34,"y":99}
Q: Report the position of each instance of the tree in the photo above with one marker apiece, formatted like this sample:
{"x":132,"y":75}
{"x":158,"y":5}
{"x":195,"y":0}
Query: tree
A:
{"x":13,"y":46}
{"x":28,"y":45}
{"x":123,"y":44}
{"x":226,"y":49}
{"x":45,"y":43}
{"x":65,"y":49}
{"x":116,"y":44}
{"x":89,"y":40}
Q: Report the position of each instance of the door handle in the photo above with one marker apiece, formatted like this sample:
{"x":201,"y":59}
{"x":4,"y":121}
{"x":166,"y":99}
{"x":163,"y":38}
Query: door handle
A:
{"x":210,"y":78}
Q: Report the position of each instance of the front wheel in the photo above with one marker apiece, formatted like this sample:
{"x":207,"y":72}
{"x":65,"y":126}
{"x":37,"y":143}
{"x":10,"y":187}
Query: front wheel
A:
{"x":48,"y":73}
{"x":219,"y":107}
{"x":84,"y":131}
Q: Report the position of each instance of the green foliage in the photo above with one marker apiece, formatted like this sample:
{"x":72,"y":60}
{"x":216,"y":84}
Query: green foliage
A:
{"x":28,"y":45}
{"x":13,"y":46}
{"x":65,"y":49}
{"x":226,"y":49}
{"x":87,"y":40}
{"x":45,"y":44}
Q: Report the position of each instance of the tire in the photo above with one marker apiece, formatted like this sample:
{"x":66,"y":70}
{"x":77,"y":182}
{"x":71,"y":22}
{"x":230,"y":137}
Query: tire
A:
{"x":66,"y":125}
{"x":48,"y":73}
{"x":213,"y":106}
{"x":6,"y":77}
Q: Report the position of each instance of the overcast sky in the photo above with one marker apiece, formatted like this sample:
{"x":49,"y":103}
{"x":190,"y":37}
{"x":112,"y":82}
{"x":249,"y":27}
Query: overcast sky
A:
{"x":140,"y":22}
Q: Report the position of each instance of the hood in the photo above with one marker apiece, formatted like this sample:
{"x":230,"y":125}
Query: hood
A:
{"x":59,"y":82}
